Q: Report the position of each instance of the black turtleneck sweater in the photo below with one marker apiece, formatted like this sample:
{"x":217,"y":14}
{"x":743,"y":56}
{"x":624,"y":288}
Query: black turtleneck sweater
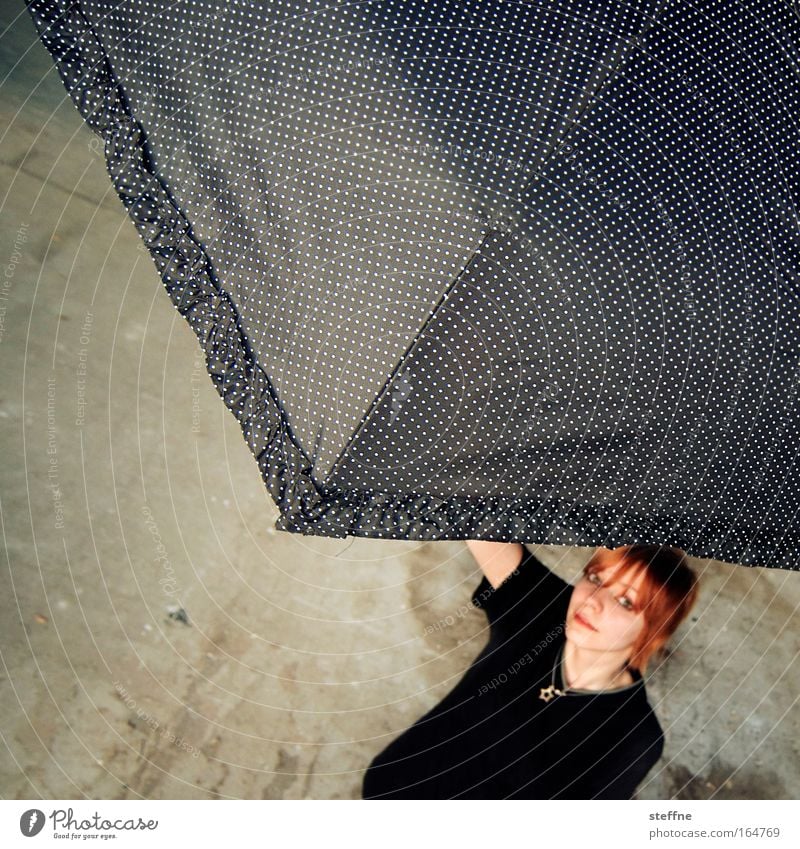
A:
{"x":493,"y":737}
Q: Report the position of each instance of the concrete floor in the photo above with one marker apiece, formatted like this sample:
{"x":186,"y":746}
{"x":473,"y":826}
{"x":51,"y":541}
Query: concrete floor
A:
{"x":128,"y":495}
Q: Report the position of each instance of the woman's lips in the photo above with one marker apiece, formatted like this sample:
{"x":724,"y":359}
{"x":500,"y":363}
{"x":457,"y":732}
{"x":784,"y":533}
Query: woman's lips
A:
{"x":579,"y":618}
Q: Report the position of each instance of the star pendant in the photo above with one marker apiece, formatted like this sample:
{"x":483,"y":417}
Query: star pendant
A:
{"x":547,"y":693}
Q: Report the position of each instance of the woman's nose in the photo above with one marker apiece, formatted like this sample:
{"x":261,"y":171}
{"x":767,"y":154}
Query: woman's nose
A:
{"x":595,"y":598}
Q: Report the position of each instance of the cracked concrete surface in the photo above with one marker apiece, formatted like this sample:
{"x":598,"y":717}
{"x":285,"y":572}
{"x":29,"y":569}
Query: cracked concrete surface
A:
{"x":295,"y":659}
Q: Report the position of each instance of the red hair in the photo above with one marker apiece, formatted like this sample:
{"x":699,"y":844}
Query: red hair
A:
{"x":668,"y":592}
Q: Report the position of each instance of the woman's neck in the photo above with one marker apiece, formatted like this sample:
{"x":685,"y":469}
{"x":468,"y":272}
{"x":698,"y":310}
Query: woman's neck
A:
{"x":585,"y":669}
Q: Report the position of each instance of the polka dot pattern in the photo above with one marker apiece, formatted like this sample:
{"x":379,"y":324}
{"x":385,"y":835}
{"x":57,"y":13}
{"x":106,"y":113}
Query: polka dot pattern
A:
{"x":465,"y":270}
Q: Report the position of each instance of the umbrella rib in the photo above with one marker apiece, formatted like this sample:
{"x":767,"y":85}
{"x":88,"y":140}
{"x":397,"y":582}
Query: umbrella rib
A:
{"x":415,"y":341}
{"x":495,"y":226}
{"x":588,"y":103}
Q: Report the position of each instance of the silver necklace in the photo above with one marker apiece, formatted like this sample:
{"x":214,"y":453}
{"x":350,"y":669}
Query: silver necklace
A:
{"x":547,"y":693}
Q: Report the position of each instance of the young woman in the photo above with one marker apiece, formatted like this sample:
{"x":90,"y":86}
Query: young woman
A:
{"x":555,"y":706}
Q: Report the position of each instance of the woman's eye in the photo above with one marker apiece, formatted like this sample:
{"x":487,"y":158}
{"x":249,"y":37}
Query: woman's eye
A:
{"x":594,"y":578}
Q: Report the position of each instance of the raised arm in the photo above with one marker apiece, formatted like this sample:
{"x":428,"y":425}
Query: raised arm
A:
{"x":497,"y":559}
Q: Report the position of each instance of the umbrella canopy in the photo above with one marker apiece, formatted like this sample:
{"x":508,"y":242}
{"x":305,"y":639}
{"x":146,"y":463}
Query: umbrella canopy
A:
{"x":514,"y":271}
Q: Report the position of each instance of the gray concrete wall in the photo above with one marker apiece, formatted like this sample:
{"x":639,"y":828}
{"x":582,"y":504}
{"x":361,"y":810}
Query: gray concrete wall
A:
{"x":159,"y":639}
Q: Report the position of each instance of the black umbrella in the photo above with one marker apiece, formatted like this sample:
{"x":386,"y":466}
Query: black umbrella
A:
{"x":516,"y":271}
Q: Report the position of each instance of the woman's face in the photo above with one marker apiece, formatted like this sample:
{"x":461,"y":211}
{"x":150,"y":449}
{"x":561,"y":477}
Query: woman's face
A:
{"x":611,"y":608}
